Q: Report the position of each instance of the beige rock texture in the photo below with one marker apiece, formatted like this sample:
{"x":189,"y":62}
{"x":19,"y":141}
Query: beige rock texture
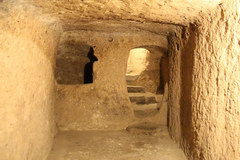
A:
{"x":147,"y":68}
{"x":137,"y":61}
{"x":104,"y":104}
{"x":167,"y":11}
{"x":203,"y":43}
{"x":117,"y":145}
{"x":27,"y":49}
{"x":204,"y":88}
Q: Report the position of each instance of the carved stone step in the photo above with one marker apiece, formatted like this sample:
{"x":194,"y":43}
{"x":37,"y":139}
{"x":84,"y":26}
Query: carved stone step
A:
{"x":131,"y":78}
{"x":137,"y":99}
{"x":145,"y":113}
{"x":136,"y":89}
{"x":142,"y":98}
{"x":143,"y":128}
{"x":145,"y":107}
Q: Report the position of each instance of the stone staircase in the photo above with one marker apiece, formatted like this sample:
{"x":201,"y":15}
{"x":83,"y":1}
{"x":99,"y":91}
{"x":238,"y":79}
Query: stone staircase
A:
{"x":150,"y":109}
{"x":144,"y":103}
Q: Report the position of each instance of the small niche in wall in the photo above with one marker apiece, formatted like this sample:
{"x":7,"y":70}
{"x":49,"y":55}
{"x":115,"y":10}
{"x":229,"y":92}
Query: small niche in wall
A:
{"x":74,"y":64}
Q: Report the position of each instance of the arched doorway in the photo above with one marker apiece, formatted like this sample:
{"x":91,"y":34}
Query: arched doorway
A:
{"x":146,"y":75}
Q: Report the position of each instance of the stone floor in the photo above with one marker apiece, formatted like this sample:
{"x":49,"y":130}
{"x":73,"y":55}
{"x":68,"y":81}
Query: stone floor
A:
{"x":114,"y":145}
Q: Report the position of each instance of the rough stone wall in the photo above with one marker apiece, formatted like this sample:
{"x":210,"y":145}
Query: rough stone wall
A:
{"x":174,"y":84}
{"x":181,"y":53}
{"x":216,"y":98}
{"x":104,"y":104}
{"x":137,"y":61}
{"x":150,"y":77}
{"x":169,"y":11}
{"x":27,"y":47}
{"x":204,"y":88}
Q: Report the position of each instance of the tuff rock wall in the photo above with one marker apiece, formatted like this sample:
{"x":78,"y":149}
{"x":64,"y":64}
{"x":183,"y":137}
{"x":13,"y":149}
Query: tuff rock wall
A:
{"x":104,"y":104}
{"x":204,"y":85}
{"x":27,"y":49}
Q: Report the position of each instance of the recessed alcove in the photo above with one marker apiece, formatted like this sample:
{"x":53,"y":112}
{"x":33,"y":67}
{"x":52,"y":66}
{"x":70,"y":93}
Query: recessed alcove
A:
{"x":74,"y":64}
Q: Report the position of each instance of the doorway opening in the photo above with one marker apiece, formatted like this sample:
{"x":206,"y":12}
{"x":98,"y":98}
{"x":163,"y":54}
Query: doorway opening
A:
{"x":147,"y":67}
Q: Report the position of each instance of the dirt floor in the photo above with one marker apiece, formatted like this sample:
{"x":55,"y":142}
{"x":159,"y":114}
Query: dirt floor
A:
{"x":114,"y":145}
